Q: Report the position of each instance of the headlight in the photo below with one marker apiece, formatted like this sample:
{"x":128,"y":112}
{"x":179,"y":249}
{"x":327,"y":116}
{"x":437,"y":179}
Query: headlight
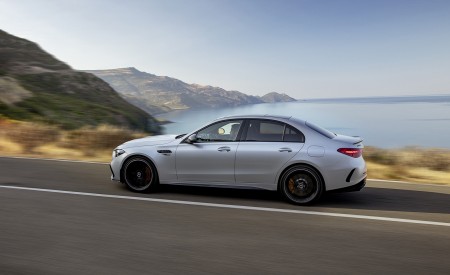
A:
{"x":117,"y":152}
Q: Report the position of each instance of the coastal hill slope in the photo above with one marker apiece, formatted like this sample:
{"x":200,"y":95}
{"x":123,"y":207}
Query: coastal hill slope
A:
{"x":157,"y":94}
{"x":35,"y":86}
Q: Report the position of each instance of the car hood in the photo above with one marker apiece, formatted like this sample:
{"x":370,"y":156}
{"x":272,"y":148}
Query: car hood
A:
{"x":148,"y":141}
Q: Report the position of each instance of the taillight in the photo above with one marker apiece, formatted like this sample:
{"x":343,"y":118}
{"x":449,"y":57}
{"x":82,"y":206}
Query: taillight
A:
{"x":351,"y":152}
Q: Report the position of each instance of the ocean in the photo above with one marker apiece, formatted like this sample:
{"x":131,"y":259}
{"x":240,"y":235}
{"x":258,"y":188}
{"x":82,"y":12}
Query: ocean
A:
{"x":387,"y":122}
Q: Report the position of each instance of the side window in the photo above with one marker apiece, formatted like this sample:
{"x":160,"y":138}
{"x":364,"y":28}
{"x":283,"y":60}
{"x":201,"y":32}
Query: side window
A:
{"x":220,"y":131}
{"x":293,"y":135}
{"x":265,"y":131}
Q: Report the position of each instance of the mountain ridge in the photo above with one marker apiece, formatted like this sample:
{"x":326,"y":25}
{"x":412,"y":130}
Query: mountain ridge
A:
{"x":157,"y":94}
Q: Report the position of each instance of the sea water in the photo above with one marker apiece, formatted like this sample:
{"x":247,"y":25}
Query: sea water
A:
{"x":382,"y":123}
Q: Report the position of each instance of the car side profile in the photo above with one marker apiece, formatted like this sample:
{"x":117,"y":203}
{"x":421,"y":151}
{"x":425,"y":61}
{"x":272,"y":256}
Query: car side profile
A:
{"x":297,"y":158}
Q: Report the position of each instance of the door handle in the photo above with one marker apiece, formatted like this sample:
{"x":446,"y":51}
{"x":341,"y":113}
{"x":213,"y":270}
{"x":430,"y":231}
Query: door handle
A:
{"x":285,"y":150}
{"x":164,"y":152}
{"x":224,"y":149}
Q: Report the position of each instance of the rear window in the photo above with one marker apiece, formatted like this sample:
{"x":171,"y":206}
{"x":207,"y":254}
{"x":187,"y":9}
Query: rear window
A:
{"x":272,"y":131}
{"x":320,"y":130}
{"x":265,"y":131}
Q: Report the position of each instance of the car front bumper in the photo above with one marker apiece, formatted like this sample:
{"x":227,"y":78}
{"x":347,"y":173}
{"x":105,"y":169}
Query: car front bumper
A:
{"x":115,"y":167}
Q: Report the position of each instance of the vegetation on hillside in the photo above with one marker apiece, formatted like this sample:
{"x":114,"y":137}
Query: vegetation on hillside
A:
{"x":55,"y":94}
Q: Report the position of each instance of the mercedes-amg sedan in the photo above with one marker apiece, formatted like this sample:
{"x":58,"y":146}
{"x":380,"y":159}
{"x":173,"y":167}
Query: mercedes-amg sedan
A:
{"x":299,"y":159}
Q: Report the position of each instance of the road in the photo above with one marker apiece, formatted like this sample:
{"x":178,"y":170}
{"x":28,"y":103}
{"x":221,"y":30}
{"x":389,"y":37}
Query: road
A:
{"x":98,"y":227}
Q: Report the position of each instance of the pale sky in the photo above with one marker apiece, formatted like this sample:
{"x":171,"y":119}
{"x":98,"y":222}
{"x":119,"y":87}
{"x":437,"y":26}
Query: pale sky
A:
{"x":305,"y":48}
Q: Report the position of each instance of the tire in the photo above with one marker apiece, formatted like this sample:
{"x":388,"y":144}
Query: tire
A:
{"x":301,"y":185}
{"x":139,"y":175}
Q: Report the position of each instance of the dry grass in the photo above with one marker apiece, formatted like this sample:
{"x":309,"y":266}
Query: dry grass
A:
{"x":8,"y":147}
{"x":434,"y":159}
{"x":102,"y":137}
{"x":409,"y":174}
{"x":409,"y":164}
{"x":30,"y":135}
{"x":38,"y":140}
{"x":95,"y":144}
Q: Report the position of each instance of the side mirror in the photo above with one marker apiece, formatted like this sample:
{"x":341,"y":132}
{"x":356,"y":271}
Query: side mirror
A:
{"x":192,"y":138}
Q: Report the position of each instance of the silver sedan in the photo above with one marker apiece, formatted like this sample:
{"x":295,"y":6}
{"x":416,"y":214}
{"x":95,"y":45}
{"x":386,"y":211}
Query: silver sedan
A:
{"x":299,"y":159}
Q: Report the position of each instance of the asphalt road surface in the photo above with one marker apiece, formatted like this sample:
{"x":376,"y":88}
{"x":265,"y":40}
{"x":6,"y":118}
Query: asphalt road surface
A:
{"x":69,"y":218}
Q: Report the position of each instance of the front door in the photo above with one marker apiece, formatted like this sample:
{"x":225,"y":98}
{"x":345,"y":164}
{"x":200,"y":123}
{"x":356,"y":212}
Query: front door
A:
{"x":210,"y":159}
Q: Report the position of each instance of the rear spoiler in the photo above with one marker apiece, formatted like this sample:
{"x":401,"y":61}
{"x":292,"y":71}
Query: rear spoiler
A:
{"x":360,"y":140}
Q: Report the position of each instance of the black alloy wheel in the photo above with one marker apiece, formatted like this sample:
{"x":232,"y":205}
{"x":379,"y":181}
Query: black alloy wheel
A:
{"x":139,"y":174}
{"x":301,"y":185}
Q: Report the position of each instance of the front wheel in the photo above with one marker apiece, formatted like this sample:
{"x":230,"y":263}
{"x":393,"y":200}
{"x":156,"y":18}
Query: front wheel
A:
{"x":301,"y":185}
{"x":139,"y":175}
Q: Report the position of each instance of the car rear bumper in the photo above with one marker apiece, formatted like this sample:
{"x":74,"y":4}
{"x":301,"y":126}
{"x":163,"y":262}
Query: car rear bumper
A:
{"x":352,"y":188}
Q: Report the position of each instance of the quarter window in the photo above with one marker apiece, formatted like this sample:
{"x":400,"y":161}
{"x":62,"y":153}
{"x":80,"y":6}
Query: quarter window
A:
{"x":293,"y":135}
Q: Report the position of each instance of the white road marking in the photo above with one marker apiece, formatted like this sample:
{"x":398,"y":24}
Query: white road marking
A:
{"x":231,"y":206}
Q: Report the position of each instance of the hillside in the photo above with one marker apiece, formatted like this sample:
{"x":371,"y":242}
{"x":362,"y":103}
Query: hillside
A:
{"x":276,"y":97}
{"x":157,"y":94}
{"x":35,"y":86}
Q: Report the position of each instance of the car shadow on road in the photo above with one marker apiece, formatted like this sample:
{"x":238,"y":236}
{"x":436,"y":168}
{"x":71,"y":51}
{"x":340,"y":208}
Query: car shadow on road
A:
{"x":380,"y":199}
{"x":218,"y":192}
{"x":385,"y":199}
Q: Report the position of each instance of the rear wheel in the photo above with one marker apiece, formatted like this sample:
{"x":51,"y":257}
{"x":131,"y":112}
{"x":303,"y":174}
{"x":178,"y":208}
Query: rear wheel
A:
{"x":140,"y":175}
{"x":301,"y":185}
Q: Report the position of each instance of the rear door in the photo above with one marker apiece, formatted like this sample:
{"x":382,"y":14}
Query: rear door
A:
{"x":266,"y":145}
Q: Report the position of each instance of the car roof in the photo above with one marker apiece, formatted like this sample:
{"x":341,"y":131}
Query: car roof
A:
{"x":275,"y":117}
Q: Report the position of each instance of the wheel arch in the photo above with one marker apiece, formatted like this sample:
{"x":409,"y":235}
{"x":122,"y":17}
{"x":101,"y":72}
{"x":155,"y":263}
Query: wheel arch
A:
{"x":280,"y":176}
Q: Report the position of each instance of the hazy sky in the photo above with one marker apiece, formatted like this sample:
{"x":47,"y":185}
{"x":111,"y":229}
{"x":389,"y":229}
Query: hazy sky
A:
{"x":305,"y":48}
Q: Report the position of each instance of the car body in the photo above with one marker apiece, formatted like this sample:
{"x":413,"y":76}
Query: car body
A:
{"x":293,"y":156}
